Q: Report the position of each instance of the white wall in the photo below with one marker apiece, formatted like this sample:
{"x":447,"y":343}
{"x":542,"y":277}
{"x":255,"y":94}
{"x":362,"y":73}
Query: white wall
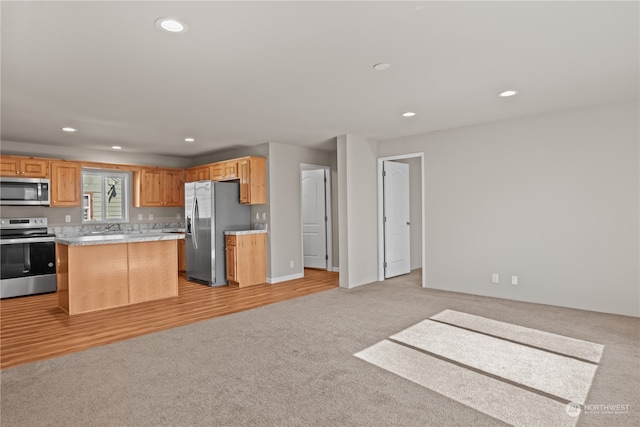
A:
{"x":285,"y":205}
{"x":553,"y":199}
{"x":357,"y":210}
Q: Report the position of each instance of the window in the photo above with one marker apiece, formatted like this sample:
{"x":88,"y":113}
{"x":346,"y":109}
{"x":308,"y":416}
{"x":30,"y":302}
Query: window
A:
{"x":104,"y":196}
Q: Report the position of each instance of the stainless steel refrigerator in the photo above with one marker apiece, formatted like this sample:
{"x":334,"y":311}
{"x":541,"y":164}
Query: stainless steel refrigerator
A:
{"x":211,"y":208}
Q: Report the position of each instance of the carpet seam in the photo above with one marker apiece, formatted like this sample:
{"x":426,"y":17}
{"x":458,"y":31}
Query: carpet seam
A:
{"x":517,"y":342}
{"x":481,"y":372}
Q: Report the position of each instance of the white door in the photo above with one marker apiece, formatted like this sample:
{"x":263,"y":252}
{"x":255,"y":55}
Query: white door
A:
{"x":396,"y":218}
{"x":314,"y":219}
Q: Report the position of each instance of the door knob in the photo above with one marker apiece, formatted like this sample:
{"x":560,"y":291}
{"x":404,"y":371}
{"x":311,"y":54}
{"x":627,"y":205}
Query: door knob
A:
{"x":408,"y":223}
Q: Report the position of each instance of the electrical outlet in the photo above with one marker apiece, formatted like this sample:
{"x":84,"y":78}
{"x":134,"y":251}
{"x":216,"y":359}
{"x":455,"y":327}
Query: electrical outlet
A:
{"x":290,"y":264}
{"x":495,"y":278}
{"x":178,"y":215}
{"x":514,"y":280}
{"x":258,"y":215}
{"x":150,"y":216}
{"x":264,"y":216}
{"x":67,"y":218}
{"x":140,"y":217}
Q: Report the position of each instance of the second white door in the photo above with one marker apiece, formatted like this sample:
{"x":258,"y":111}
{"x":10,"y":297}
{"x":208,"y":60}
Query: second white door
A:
{"x":397,"y":255}
{"x":314,"y":219}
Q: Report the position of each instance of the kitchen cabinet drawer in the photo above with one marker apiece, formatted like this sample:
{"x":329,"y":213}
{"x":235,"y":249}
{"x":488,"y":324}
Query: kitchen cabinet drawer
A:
{"x":230,"y":240}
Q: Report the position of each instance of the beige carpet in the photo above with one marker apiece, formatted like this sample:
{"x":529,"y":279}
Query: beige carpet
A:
{"x":519,"y":375}
{"x":292,"y":364}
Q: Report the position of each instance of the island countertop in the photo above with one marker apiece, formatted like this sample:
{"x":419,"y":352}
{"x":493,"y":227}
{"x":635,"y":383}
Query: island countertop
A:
{"x":242,"y":232}
{"x":105,"y":239}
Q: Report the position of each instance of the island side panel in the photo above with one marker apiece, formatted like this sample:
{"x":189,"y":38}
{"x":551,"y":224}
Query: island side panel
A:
{"x":153,"y":270}
{"x":62,"y":276}
{"x":98,"y":277}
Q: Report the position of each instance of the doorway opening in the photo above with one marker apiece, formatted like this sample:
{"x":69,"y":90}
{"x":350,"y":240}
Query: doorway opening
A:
{"x":315,"y":184}
{"x":394,"y":233}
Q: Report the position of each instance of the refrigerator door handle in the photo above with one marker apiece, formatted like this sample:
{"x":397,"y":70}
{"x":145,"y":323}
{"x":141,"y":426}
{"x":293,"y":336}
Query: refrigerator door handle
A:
{"x":196,"y":218}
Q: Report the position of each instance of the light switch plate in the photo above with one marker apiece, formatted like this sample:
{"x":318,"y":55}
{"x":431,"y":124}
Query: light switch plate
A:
{"x":140,"y":217}
{"x":150,"y":216}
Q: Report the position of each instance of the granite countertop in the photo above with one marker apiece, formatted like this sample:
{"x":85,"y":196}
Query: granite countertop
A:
{"x":106,"y":238}
{"x":241,"y":232}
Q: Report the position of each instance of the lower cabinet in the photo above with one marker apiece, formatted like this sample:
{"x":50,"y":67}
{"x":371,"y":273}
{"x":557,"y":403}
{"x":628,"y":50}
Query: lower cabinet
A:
{"x":246,"y":256}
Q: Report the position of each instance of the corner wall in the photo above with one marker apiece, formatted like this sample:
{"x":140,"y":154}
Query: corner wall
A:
{"x":357,"y":210}
{"x":553,"y":199}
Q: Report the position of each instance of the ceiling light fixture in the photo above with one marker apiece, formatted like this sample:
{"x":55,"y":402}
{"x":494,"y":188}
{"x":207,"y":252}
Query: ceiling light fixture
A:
{"x":189,"y":139}
{"x":116,"y":147}
{"x":408,"y":114}
{"x":381,"y":66}
{"x":171,"y":25}
{"x":507,"y":93}
{"x":69,"y":129}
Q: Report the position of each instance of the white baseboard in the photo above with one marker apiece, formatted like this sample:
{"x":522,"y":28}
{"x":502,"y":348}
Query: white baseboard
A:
{"x":284,"y":278}
{"x":336,"y":269}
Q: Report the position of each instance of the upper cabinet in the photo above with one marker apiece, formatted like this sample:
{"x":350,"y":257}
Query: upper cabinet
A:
{"x":65,"y":183}
{"x":199,"y":173}
{"x":27,"y":167}
{"x":253,"y":176}
{"x":251,"y":171}
{"x":224,"y":171}
{"x":158,"y":187}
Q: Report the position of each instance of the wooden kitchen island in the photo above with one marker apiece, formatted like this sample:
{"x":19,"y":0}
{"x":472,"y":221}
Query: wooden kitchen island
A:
{"x":99,"y":272}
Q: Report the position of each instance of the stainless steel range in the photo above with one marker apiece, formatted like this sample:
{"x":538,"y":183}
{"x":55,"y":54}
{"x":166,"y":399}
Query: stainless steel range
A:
{"x":28,"y":259}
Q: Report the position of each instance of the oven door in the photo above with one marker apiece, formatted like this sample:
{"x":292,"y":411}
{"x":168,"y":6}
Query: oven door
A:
{"x":27,"y":266}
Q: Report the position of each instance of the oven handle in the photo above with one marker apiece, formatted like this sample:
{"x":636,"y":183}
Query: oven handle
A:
{"x":27,"y":240}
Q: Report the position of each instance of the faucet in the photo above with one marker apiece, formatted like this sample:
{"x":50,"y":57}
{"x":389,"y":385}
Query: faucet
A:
{"x":114,"y":226}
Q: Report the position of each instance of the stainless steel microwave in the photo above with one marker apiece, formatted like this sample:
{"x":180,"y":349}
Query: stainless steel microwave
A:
{"x":24,"y":191}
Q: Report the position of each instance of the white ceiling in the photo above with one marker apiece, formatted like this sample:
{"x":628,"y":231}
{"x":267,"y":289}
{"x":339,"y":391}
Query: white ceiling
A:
{"x":302,"y":73}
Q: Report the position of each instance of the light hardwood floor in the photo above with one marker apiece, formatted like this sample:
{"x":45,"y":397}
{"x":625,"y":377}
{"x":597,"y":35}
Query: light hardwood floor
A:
{"x":34,"y":328}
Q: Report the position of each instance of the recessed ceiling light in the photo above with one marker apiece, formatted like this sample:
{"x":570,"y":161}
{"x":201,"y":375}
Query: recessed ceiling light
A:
{"x":408,"y":114}
{"x":506,"y":93}
{"x":381,"y":66}
{"x":69,"y":129}
{"x":171,"y":25}
{"x":116,"y":147}
{"x":189,"y":139}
